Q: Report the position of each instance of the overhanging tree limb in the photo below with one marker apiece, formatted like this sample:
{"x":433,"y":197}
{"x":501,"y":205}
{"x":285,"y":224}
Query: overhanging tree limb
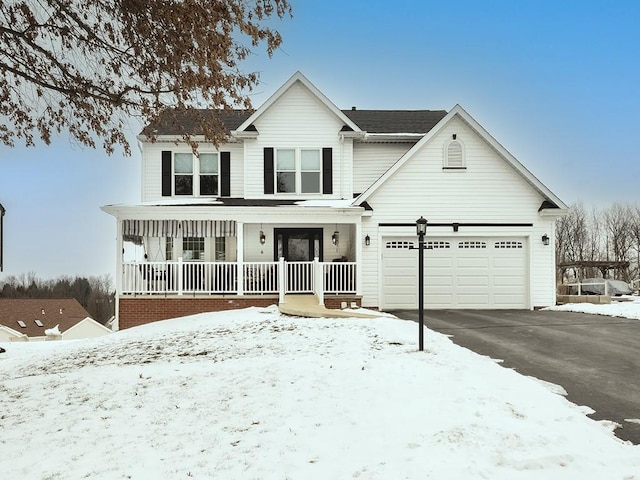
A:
{"x":87,"y":67}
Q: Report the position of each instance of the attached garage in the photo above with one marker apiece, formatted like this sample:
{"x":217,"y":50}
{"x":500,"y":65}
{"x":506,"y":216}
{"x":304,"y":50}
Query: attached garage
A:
{"x":460,"y":272}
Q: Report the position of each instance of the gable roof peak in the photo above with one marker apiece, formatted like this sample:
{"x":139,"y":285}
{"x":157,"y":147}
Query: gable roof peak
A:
{"x":295,"y":78}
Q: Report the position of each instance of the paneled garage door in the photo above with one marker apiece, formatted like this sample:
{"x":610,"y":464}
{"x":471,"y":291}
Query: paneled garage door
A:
{"x":459,"y":273}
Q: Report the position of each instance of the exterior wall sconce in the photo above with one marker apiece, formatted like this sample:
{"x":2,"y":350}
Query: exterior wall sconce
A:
{"x":367,"y":240}
{"x":545,"y":239}
{"x":263,"y":238}
{"x":454,"y":136}
{"x":455,"y":226}
{"x":335,"y":238}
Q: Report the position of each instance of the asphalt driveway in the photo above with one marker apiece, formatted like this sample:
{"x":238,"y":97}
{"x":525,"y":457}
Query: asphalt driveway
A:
{"x":595,"y":358}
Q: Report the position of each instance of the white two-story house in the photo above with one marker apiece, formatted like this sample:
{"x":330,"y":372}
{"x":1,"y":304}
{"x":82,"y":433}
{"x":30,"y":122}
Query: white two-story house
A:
{"x":307,"y":198}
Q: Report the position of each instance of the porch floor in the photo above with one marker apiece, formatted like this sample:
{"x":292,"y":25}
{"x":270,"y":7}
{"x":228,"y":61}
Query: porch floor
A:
{"x":307,"y":306}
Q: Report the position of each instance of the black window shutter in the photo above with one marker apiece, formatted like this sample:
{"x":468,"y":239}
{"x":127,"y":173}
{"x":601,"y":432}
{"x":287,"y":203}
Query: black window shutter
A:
{"x":327,"y":170}
{"x":225,"y":174}
{"x":166,"y":173}
{"x":268,"y":170}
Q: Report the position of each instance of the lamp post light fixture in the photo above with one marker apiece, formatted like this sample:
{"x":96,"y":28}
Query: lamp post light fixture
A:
{"x":421,"y":230}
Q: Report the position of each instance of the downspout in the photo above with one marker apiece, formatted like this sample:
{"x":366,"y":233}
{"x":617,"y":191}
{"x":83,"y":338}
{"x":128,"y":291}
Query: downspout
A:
{"x":2,"y":210}
{"x":342,"y":166}
{"x":119,"y":269}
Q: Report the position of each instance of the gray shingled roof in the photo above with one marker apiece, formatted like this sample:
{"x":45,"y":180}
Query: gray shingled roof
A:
{"x":395,"y":121}
{"x":174,"y":122}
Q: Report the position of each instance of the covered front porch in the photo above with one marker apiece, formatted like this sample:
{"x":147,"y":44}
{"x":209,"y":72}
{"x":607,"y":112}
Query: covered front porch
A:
{"x":241,"y":253}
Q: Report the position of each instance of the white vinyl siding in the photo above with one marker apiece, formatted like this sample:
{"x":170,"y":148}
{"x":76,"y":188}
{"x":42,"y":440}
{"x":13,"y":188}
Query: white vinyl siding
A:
{"x":371,"y":160}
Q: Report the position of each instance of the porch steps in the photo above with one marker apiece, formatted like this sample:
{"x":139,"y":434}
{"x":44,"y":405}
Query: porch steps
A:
{"x":307,"y":306}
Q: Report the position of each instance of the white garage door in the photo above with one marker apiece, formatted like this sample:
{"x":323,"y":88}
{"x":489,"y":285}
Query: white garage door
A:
{"x":459,"y":273}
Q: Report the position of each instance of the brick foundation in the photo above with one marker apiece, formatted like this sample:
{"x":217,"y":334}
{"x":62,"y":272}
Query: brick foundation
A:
{"x":134,"y":311}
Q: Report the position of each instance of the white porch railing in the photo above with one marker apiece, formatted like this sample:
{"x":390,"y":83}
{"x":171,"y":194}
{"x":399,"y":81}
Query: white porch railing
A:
{"x":259,"y":278}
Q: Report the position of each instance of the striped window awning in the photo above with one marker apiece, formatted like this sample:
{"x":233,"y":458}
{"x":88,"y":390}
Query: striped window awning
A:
{"x":178,"y":228}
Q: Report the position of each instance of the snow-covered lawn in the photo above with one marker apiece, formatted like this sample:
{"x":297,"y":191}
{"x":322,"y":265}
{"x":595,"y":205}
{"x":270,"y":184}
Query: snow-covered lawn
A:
{"x":627,"y":307}
{"x":251,"y":394}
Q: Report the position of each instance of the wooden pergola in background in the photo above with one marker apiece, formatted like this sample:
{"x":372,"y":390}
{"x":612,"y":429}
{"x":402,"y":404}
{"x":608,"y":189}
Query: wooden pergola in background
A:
{"x":603,"y":265}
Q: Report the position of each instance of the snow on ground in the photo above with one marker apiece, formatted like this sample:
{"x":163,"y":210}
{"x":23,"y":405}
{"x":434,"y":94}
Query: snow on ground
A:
{"x":251,"y":394}
{"x":627,"y":307}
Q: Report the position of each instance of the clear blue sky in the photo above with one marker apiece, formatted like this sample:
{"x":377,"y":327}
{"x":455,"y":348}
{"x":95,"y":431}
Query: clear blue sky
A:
{"x":556,"y":82}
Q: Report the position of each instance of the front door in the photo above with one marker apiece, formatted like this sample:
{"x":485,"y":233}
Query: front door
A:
{"x":298,"y":247}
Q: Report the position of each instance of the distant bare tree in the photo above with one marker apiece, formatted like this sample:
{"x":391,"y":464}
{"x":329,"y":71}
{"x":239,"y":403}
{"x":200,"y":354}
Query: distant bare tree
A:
{"x":611,"y":234}
{"x":619,"y":240}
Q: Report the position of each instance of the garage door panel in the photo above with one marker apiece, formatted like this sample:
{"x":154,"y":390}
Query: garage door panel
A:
{"x":509,"y":301}
{"x":472,"y":262}
{"x":438,"y":262}
{"x":443,"y":281}
{"x":473,"y":281}
{"x":470,"y":299}
{"x":508,"y":281}
{"x":438,"y":300}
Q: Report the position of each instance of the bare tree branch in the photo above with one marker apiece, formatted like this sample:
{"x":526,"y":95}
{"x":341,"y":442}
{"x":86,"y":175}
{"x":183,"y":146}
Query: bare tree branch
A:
{"x":88,"y":67}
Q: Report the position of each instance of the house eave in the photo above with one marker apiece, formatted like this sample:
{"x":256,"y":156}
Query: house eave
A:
{"x":392,"y":137}
{"x":177,"y":139}
{"x":179,"y":210}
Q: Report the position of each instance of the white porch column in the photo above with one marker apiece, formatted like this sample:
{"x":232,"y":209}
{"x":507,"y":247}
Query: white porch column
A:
{"x":359,"y":242}
{"x":282,"y":279}
{"x":180,"y":276}
{"x":318,"y":280}
{"x":240,"y":256}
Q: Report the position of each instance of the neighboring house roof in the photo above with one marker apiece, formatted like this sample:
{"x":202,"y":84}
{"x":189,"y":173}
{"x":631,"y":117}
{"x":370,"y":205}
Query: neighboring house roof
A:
{"x":553,"y":202}
{"x":49,"y":312}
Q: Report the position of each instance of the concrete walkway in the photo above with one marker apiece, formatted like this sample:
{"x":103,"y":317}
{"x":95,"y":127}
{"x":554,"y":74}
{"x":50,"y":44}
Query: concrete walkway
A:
{"x":307,"y":306}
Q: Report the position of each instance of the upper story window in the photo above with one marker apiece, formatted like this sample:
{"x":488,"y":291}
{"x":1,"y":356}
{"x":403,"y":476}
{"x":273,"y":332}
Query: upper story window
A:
{"x":195,"y":175}
{"x":298,"y":170}
{"x":454,"y":154}
{"x":206,"y":174}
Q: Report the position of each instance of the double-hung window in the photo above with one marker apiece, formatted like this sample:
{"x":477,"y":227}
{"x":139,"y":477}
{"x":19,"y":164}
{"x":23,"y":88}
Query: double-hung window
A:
{"x":298,"y":171}
{"x":196,"y":175}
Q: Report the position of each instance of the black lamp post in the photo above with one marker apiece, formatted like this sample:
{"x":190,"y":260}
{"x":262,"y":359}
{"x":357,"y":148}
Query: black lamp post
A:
{"x":421,"y":229}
